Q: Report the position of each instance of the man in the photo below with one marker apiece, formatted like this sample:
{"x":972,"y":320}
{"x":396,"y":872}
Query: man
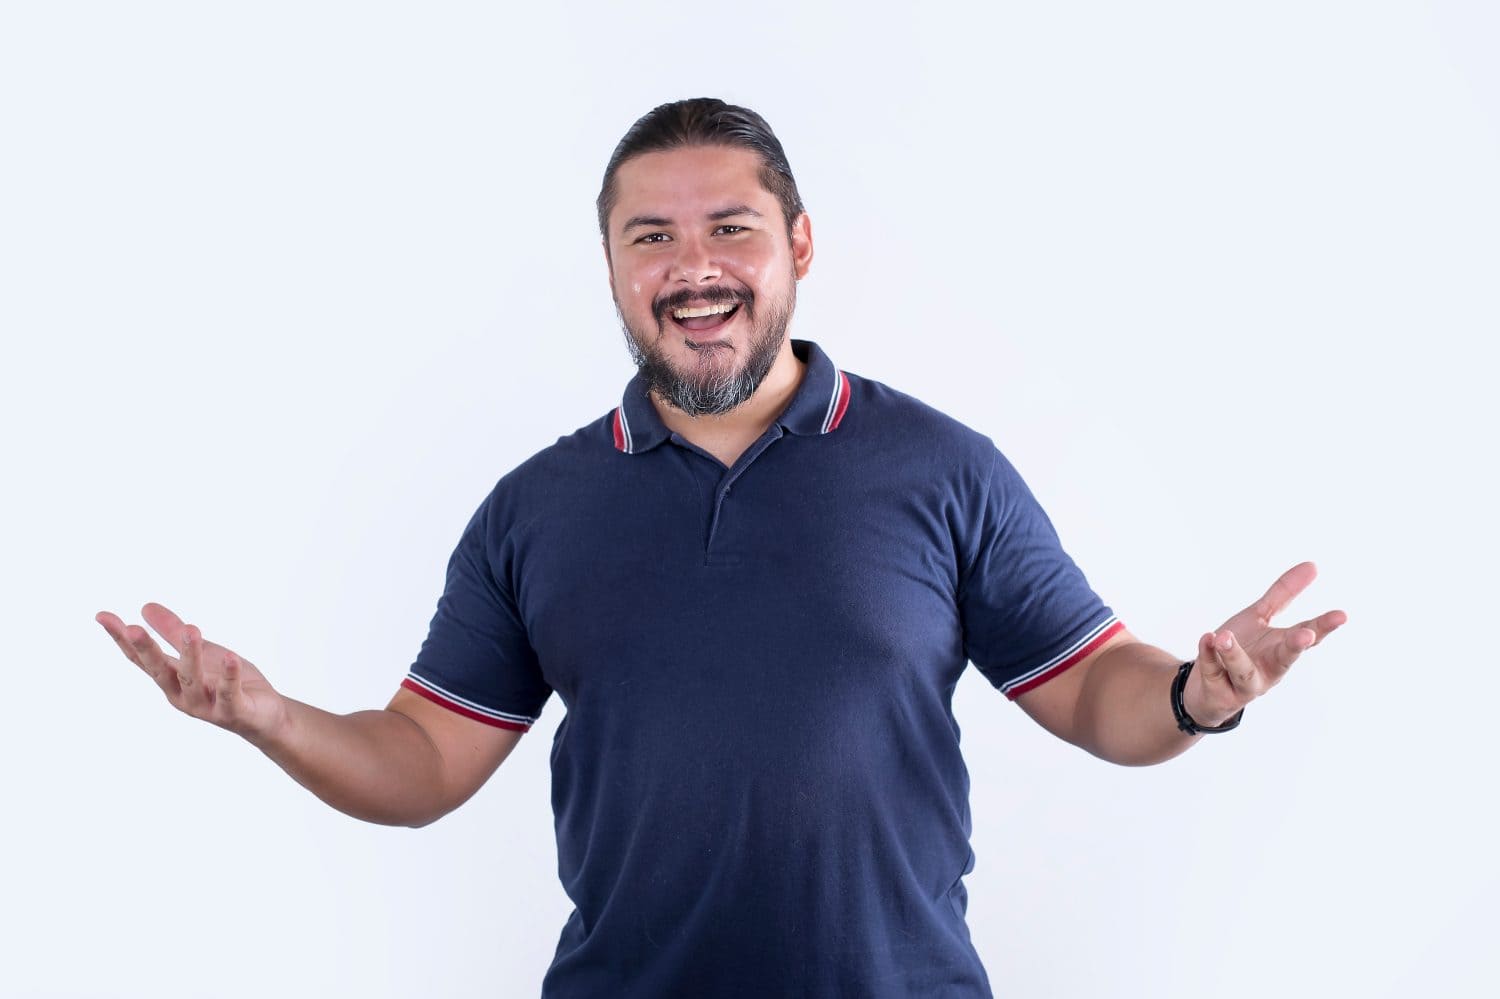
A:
{"x":754,"y":584}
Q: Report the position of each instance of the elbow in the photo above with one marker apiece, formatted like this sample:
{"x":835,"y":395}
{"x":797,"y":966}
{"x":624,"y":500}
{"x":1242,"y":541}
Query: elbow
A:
{"x":1134,"y":754}
{"x":426,"y":818}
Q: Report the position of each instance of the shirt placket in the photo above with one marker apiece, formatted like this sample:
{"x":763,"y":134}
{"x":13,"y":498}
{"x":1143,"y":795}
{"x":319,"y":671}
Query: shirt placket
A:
{"x":719,"y":507}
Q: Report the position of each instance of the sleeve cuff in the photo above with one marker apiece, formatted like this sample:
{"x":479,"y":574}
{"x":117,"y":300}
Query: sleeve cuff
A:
{"x":465,"y":707}
{"x":1072,"y":656}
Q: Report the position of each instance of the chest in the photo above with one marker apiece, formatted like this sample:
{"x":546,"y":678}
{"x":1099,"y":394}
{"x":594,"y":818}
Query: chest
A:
{"x":788,"y":577}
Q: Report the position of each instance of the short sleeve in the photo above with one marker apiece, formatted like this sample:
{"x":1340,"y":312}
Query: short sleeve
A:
{"x":477,"y":659}
{"x":1028,"y":613}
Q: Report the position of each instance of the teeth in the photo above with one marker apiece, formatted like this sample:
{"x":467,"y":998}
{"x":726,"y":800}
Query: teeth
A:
{"x":708,"y":310}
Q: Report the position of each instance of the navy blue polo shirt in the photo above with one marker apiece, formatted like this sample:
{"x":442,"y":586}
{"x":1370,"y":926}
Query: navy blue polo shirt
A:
{"x":757,"y":785}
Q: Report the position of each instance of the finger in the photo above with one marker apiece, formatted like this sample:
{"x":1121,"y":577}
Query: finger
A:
{"x":115,"y":629}
{"x":163,"y":668}
{"x":1280,"y":650}
{"x":1291,"y":643}
{"x":1322,"y":625}
{"x":1285,"y":590}
{"x":190,"y":666}
{"x":166,"y":624}
{"x":1238,"y":665}
{"x":229,"y":689}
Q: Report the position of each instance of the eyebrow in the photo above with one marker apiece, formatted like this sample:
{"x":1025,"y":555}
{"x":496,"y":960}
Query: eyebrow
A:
{"x":731,"y":212}
{"x":715,"y":216}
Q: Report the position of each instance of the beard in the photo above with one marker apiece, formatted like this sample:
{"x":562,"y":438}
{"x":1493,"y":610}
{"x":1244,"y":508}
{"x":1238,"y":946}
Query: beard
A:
{"x":716,"y":380}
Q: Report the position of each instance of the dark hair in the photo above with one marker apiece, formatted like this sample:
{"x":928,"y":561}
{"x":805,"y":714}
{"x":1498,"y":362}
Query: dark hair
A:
{"x":703,"y":121}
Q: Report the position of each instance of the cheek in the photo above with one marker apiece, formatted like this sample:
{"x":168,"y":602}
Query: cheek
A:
{"x":634,"y":288}
{"x":756,"y":263}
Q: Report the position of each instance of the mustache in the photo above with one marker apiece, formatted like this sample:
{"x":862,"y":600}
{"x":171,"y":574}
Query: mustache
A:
{"x":713,"y":295}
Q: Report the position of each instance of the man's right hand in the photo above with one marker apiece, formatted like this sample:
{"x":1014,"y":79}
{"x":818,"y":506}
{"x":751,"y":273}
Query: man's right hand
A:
{"x":205,"y":680}
{"x":406,"y":765}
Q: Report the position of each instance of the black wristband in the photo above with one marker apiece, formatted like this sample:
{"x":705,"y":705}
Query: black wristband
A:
{"x":1184,"y":720}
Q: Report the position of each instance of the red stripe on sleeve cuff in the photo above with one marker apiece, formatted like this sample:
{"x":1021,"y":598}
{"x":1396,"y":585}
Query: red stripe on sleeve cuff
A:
{"x":1077,"y":657}
{"x":435,"y":698}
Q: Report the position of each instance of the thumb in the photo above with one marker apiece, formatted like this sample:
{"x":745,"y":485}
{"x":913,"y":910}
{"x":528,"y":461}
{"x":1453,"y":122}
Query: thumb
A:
{"x":1211,"y":695}
{"x":1232,"y":665}
{"x":1209,"y":665}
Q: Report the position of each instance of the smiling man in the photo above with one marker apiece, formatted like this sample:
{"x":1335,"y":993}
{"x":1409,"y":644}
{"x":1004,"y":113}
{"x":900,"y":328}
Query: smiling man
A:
{"x":754,"y":583}
{"x":706,"y":292}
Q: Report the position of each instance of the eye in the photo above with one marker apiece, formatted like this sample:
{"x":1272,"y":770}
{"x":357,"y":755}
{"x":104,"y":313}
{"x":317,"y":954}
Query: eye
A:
{"x":651,"y":237}
{"x":736,"y":228}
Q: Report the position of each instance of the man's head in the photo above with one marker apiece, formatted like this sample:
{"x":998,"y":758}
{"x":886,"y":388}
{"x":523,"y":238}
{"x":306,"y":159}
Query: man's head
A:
{"x":703,"y":121}
{"x":698,"y":211}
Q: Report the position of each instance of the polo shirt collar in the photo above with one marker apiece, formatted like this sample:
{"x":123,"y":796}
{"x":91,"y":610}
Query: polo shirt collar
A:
{"x":817,"y":407}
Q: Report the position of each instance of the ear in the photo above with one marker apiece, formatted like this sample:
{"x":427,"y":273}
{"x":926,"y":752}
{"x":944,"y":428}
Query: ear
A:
{"x":802,"y":246}
{"x":609,"y":265}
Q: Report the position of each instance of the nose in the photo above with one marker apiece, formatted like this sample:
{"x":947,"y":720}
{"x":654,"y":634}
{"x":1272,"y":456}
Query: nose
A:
{"x":695,"y":262}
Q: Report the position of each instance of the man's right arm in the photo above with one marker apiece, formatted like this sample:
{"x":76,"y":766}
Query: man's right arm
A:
{"x":409,"y":764}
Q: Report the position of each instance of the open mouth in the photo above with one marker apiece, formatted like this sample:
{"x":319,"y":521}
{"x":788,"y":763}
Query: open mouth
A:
{"x":705,"y":318}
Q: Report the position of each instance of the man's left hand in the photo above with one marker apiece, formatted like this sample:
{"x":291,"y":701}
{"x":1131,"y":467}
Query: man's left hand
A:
{"x":1247,"y":657}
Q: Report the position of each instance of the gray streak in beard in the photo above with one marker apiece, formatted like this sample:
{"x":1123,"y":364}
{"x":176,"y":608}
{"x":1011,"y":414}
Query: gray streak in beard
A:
{"x":709,"y":393}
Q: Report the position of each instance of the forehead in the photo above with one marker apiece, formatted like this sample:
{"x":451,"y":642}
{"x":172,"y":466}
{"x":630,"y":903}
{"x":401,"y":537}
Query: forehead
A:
{"x":683,"y":183}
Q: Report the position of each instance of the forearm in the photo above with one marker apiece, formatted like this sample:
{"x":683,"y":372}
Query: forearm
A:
{"x":1124,"y":709}
{"x":379,"y":766}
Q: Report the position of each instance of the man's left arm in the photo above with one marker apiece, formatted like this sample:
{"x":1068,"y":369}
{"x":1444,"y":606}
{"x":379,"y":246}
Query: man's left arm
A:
{"x":1117,"y":702}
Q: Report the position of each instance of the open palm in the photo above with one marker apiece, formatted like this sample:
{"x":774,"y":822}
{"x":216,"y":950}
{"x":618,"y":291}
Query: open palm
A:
{"x":205,"y":679}
{"x":1247,"y":655}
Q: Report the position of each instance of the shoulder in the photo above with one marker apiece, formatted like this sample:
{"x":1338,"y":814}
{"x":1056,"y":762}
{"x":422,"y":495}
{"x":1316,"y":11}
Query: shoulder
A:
{"x":914,"y":447}
{"x":581,"y":452}
{"x":903,"y":427}
{"x":575,"y":465}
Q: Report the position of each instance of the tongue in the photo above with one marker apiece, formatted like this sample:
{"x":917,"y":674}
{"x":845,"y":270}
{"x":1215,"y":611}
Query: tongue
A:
{"x":705,"y":322}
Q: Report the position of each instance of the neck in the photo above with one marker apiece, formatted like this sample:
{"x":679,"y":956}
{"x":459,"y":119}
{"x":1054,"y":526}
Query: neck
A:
{"x":735,"y":430}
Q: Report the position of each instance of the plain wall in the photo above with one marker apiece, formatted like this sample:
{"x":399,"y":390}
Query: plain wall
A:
{"x":285,"y":288}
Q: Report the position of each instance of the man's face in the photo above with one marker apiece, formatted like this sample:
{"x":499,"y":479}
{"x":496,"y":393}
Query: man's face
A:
{"x":693,"y":230}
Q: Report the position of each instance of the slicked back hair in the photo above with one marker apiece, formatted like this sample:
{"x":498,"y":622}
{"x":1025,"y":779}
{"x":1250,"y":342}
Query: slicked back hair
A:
{"x":703,"y":121}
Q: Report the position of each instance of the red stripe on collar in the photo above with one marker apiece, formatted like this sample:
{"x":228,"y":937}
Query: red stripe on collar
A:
{"x":843,"y":403}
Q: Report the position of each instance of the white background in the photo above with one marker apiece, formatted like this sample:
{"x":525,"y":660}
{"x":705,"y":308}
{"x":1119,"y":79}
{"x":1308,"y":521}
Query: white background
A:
{"x":285,"y":288}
